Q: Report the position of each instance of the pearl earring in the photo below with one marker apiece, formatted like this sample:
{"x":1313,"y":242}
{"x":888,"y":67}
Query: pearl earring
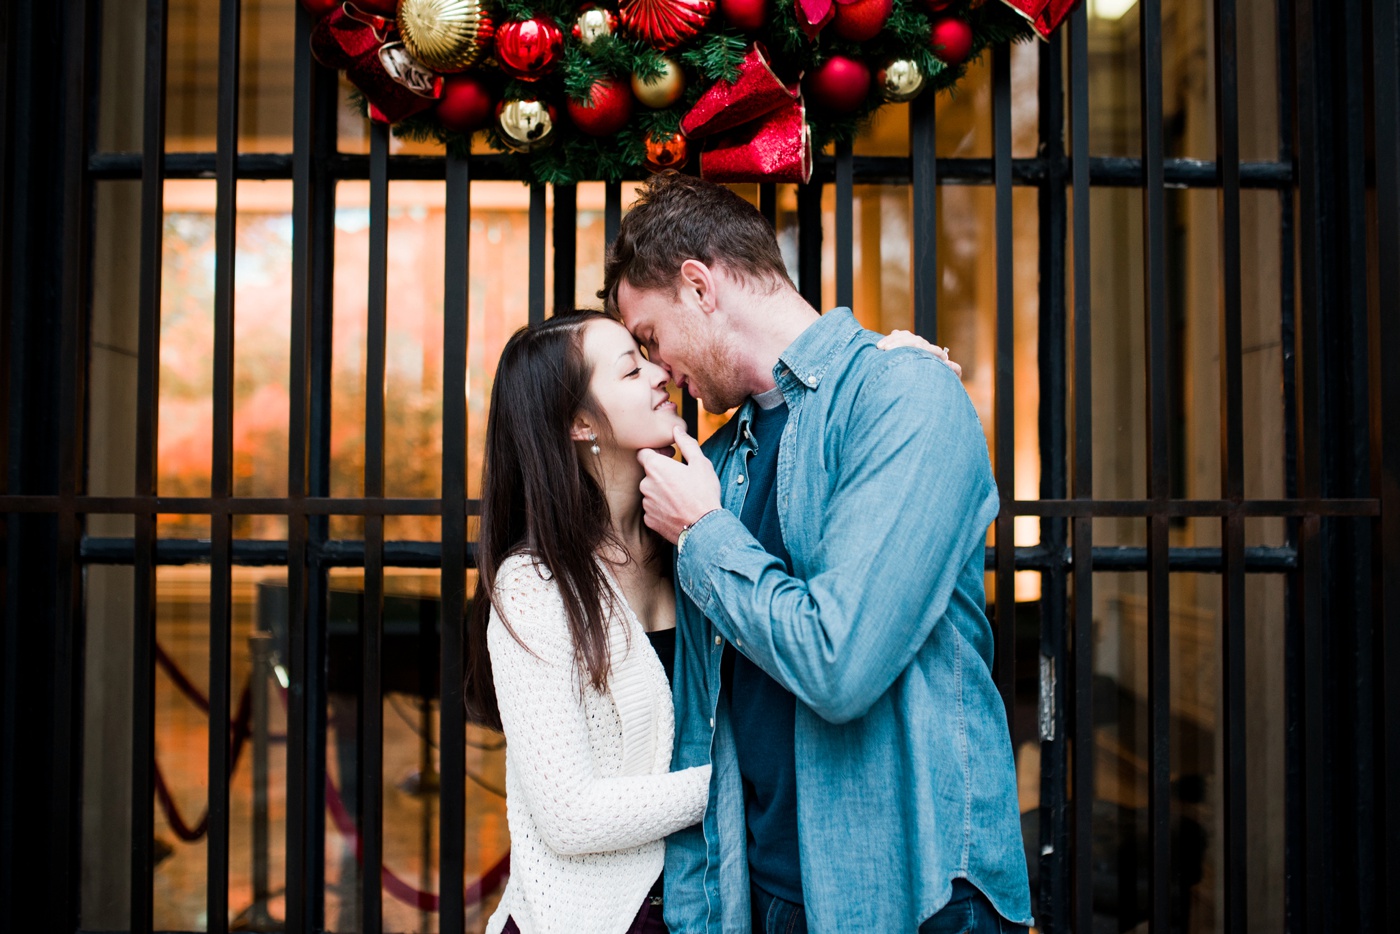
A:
{"x":593,"y":436}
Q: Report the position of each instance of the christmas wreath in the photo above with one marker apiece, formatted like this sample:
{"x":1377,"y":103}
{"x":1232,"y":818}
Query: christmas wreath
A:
{"x":738,"y":90}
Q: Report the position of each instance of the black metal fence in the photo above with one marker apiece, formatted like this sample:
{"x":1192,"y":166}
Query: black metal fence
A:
{"x":1338,"y":188}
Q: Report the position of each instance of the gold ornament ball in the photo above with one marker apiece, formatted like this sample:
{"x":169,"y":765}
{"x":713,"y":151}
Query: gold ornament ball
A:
{"x":445,"y":35}
{"x":899,"y":80}
{"x":663,"y":90}
{"x":666,"y":152}
{"x":594,"y":23}
{"x":526,"y":126}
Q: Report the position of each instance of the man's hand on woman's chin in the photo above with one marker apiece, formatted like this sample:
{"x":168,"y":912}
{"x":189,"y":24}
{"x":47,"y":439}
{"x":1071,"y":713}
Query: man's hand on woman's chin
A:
{"x":675,"y":494}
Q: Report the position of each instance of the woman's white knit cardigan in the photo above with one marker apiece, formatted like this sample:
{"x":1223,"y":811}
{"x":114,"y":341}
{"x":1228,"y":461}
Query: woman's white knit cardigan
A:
{"x":589,"y":791}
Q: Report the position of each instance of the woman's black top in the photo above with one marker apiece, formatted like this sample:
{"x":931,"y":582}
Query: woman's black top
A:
{"x":663,"y":641}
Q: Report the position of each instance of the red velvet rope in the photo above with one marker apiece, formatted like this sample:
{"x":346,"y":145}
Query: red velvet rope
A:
{"x":489,"y":881}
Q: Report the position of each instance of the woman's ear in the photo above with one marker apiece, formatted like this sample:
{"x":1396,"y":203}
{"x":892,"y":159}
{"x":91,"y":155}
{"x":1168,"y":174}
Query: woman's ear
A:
{"x":582,"y":431}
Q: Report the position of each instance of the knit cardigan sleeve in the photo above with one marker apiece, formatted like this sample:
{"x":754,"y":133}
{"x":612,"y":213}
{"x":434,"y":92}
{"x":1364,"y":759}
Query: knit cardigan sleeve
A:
{"x":576,"y":810}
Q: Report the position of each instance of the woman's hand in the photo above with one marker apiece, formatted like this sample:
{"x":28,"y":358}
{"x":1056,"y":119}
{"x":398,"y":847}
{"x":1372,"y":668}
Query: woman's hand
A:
{"x":909,"y":339}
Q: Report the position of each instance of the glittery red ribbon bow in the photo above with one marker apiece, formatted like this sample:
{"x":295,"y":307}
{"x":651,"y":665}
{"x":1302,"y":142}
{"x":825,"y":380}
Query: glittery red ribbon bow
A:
{"x":1044,"y":15}
{"x":756,"y":127}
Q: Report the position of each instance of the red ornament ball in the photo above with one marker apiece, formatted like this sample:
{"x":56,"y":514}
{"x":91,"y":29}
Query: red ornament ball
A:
{"x":529,"y":49}
{"x":319,"y":8}
{"x":839,"y":85}
{"x":935,"y":6}
{"x":389,"y":8}
{"x":951,"y":40}
{"x":465,"y":105}
{"x":861,"y":20}
{"x":607,"y":110}
{"x":748,"y":15}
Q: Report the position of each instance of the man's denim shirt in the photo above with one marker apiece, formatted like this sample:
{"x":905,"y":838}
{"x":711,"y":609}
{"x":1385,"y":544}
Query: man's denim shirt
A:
{"x":905,"y":775}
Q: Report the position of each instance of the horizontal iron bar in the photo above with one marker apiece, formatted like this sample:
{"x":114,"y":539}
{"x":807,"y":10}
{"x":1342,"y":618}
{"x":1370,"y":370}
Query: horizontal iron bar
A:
{"x":420,"y":554}
{"x":266,"y":553}
{"x":408,"y":506}
{"x":1105,"y":171}
{"x":234,"y":506}
{"x":1197,"y":508}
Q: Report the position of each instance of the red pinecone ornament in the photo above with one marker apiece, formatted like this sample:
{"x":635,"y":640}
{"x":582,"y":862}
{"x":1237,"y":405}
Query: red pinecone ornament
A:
{"x":665,"y":23}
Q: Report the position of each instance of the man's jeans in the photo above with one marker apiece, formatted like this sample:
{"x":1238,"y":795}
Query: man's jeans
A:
{"x":968,"y":911}
{"x":773,"y":915}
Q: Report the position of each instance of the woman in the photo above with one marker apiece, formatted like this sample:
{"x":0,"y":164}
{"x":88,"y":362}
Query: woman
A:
{"x":574,"y":612}
{"x":572,"y":581}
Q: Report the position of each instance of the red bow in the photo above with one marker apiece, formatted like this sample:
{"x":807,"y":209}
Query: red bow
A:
{"x":1044,"y":15}
{"x":366,"y":46}
{"x":757,"y":125}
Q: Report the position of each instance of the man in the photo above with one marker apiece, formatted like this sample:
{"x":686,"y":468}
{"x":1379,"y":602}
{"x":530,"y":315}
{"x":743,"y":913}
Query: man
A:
{"x":834,"y":658}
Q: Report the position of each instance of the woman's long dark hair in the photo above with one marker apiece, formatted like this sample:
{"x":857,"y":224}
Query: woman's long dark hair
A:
{"x":538,"y":498}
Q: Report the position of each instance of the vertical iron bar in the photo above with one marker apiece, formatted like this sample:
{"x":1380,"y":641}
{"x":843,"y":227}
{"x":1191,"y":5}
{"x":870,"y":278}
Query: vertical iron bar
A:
{"x":79,"y":24}
{"x":565,"y":239}
{"x":1349,"y":544}
{"x":313,"y":258}
{"x":1385,"y":415}
{"x":923,"y":184}
{"x":612,"y":211}
{"x":143,"y":691}
{"x":1005,"y":408}
{"x":1052,"y":352}
{"x":537,"y":250}
{"x":1082,"y":659}
{"x":1315,"y":172}
{"x":260,"y":644}
{"x":1294,"y":870}
{"x":845,"y":224}
{"x":371,"y":720}
{"x":1158,"y":467}
{"x":452,"y":719}
{"x":809,"y":243}
{"x":220,"y":572}
{"x":768,"y":203}
{"x":690,"y":413}
{"x":1234,"y":845}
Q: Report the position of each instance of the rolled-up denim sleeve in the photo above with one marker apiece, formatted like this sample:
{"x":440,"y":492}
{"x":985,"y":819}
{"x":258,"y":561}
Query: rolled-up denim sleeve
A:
{"x":911,"y":496}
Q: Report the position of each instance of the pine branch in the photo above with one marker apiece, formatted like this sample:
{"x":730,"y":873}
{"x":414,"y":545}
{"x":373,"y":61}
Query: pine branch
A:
{"x":718,"y":56}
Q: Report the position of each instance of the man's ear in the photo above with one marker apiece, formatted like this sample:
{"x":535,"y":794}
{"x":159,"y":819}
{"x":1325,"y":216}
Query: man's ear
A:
{"x":698,"y":283}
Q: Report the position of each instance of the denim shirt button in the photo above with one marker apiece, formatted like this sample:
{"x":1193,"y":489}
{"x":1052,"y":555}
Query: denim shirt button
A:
{"x":739,"y":479}
{"x":712,"y":723}
{"x":719,"y":640}
{"x":811,"y":381}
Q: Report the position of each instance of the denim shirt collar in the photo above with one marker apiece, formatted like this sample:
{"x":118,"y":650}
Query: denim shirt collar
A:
{"x":807,"y":359}
{"x":804,"y":364}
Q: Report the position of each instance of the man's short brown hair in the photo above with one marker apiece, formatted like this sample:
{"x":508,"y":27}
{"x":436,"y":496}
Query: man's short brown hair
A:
{"x":679,"y":217}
